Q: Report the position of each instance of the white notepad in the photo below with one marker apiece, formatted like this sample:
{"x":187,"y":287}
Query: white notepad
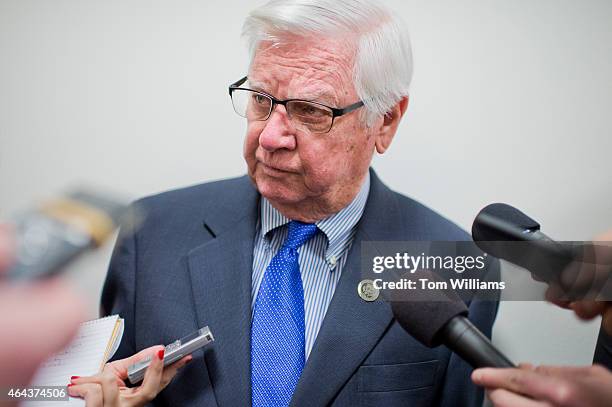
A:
{"x":95,"y":343}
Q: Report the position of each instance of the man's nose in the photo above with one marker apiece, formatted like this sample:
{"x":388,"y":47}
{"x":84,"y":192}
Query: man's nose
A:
{"x":278,"y":132}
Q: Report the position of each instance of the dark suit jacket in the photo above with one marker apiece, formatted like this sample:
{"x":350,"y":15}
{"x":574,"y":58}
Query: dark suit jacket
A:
{"x":603,"y":350}
{"x":190,"y":265}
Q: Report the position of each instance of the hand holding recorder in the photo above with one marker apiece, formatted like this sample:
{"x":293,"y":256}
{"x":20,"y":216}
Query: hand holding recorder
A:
{"x":155,"y":367}
{"x":109,"y":387}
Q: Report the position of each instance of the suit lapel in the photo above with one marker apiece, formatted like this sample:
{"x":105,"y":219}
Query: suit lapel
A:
{"x":220,"y":272}
{"x":352,"y":326}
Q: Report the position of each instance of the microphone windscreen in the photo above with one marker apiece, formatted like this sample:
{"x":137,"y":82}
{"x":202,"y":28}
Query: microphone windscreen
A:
{"x":423,"y":313}
{"x":510,"y":214}
{"x":499,"y":213}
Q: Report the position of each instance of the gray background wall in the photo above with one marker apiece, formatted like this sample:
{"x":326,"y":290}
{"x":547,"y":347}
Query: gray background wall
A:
{"x":511,"y":102}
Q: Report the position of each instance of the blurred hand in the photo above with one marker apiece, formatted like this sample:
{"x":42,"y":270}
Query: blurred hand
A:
{"x":7,"y":247}
{"x":547,"y":386}
{"x":589,"y":309}
{"x":109,"y":389}
{"x":37,"y":320}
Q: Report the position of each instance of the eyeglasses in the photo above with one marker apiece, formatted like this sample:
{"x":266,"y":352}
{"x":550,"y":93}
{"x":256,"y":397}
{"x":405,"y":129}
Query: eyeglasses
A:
{"x":312,"y":116}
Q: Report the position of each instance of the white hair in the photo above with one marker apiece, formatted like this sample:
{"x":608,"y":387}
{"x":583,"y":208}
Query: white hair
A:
{"x":383,"y":60}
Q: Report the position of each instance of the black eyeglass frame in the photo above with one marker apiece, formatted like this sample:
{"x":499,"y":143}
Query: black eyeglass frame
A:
{"x":336,"y":112}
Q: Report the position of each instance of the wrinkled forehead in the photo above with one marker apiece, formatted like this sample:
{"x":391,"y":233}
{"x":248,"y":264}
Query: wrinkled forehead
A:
{"x":296,"y":67}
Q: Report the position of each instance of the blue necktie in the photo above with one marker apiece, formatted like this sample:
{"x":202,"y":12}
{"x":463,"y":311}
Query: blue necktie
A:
{"x":277,"y":330}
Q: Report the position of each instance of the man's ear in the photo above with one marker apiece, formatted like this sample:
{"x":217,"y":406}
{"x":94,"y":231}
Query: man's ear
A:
{"x":391,"y":120}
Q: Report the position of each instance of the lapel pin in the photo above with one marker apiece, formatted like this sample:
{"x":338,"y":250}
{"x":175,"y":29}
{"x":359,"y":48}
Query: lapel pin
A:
{"x":367,"y":291}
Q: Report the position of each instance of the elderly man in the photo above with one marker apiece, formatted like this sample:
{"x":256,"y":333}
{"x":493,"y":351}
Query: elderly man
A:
{"x":271,"y":261}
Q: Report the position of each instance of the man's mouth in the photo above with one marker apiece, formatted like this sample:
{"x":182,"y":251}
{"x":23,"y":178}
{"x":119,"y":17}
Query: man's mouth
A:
{"x":274,"y":170}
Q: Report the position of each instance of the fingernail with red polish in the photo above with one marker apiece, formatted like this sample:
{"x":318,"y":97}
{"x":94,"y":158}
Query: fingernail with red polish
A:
{"x":74,"y":377}
{"x":70,"y":384}
{"x":160,"y":354}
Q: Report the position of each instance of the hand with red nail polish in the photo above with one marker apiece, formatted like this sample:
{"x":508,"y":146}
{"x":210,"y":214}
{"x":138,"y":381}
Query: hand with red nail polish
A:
{"x":109,"y":387}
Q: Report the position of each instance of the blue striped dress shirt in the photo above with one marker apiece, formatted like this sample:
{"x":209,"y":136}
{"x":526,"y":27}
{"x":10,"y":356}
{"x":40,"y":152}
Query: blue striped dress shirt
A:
{"x":321,"y":259}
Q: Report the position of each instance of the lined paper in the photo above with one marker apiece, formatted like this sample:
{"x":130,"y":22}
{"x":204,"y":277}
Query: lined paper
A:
{"x":93,"y":345}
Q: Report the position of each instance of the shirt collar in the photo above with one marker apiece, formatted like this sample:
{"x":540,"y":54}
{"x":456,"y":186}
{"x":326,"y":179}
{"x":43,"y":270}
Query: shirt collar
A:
{"x":338,"y":228}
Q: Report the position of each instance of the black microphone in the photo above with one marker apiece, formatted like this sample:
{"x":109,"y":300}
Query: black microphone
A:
{"x":438,"y":317}
{"x":507,"y":233}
